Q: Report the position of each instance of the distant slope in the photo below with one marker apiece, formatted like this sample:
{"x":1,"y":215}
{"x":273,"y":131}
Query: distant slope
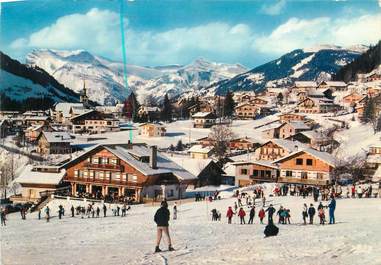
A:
{"x":309,"y":64}
{"x":365,"y":63}
{"x":21,"y":84}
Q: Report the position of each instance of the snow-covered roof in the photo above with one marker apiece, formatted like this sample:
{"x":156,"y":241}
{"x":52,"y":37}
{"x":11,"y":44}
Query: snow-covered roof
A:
{"x":312,"y":134}
{"x":299,"y":125}
{"x":193,"y":165}
{"x":65,"y":107}
{"x":37,"y":118}
{"x":324,"y":156}
{"x":157,"y":124}
{"x":305,"y":84}
{"x":31,"y":176}
{"x":265,"y":163}
{"x":200,"y":149}
{"x":336,"y":83}
{"x":201,"y":114}
{"x":57,"y":137}
{"x":290,"y":146}
{"x":271,"y":126}
{"x":131,"y":154}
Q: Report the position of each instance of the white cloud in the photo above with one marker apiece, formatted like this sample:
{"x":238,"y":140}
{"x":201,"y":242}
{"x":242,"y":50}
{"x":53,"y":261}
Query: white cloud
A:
{"x":99,"y":32}
{"x":274,"y":9}
{"x":301,"y":33}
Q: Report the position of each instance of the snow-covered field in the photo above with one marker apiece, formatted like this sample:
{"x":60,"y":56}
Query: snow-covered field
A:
{"x":355,"y":239}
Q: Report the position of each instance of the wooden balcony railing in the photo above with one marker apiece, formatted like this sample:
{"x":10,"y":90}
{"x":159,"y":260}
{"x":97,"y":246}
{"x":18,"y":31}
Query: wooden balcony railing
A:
{"x":95,"y":181}
{"x":104,"y":166}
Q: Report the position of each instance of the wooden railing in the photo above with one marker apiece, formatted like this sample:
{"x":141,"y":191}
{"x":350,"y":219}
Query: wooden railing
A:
{"x":104,"y":166}
{"x":303,"y":181}
{"x":96,"y":181}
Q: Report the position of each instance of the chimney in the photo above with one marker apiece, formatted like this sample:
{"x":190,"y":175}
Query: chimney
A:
{"x":153,"y":157}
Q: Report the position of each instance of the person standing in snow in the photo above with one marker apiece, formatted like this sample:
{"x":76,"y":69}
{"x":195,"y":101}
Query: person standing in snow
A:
{"x":242,"y":215}
{"x":175,"y":212}
{"x":47,"y":212}
{"x":59,"y":212}
{"x":3,"y":217}
{"x":321,"y":215}
{"x":72,"y":211}
{"x":280,"y":215}
{"x":98,"y":211}
{"x":39,"y":214}
{"x":332,"y":208}
{"x":229,"y":214}
{"x":263,"y":201}
{"x":251,"y":215}
{"x":161,"y":218}
{"x":104,"y":210}
{"x":261,"y":215}
{"x":311,"y":213}
{"x":271,"y":211}
{"x":235,"y":207}
{"x":305,"y":213}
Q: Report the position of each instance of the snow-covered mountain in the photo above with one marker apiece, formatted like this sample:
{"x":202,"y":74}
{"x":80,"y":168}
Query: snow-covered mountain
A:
{"x":104,"y":77}
{"x":315,"y":63}
{"x":21,"y":83}
{"x":188,"y":79}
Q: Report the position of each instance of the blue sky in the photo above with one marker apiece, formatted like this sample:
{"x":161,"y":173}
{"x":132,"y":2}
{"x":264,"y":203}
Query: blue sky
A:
{"x":177,"y":32}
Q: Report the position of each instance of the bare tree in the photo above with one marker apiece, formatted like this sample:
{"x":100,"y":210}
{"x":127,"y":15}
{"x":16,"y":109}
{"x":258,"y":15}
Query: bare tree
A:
{"x":220,"y":136}
{"x":355,"y":166}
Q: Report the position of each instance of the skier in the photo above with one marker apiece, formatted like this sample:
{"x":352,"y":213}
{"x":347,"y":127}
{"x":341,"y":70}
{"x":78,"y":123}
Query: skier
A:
{"x":271,"y":211}
{"x":332,"y":208}
{"x":235,"y":207}
{"x":251,"y":215}
{"x":39,"y":214}
{"x":3,"y":217}
{"x":124,"y":209}
{"x":175,"y":212}
{"x":161,"y":219}
{"x":263,"y":201}
{"x":287,"y":216}
{"x":242,"y":215}
{"x":305,"y":213}
{"x":98,"y":211}
{"x":229,"y":214}
{"x":72,"y":211}
{"x":47,"y":211}
{"x":311,"y":213}
{"x":261,"y":215}
{"x":92,"y":212}
{"x":104,"y":210}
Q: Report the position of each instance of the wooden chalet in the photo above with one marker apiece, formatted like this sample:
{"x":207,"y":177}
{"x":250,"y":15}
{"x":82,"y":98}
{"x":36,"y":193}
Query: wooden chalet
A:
{"x":126,"y":170}
{"x":307,"y":166}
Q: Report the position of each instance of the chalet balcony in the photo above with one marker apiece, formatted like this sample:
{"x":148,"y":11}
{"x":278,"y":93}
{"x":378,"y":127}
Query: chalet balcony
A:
{"x":104,"y":166}
{"x":97,"y":181}
{"x":303,"y":181}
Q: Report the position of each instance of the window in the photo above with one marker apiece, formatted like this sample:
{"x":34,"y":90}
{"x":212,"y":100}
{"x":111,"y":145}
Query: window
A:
{"x":91,"y":173}
{"x":76,"y":173}
{"x":304,"y":175}
{"x":114,"y":161}
{"x":288,"y":173}
{"x":95,"y":160}
{"x":132,"y":178}
{"x":309,"y":162}
{"x":117,"y":176}
{"x":244,"y":171}
{"x":101,"y":175}
{"x":268,"y":174}
{"x":320,"y":176}
{"x":171,"y":193}
{"x":104,"y":160}
{"x":85,"y":174}
{"x":299,"y":161}
{"x":255,"y":173}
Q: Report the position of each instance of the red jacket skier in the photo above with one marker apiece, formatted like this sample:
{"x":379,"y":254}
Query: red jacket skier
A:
{"x":229,"y":214}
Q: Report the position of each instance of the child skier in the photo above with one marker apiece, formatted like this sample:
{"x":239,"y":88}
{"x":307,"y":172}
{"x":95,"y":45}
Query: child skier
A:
{"x":242,"y":215}
{"x":229,"y":214}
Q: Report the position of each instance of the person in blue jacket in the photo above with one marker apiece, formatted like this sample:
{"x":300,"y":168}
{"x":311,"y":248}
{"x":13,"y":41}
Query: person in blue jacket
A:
{"x":332,"y":208}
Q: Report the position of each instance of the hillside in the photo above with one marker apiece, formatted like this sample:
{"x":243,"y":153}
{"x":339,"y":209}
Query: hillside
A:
{"x":314,"y":63}
{"x":365,"y":63}
{"x":23,"y":87}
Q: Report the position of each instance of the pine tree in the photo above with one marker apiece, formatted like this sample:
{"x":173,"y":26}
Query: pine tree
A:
{"x":369,"y":111}
{"x":179,"y":146}
{"x":166,"y":113}
{"x":131,"y":107}
{"x":229,"y":104}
